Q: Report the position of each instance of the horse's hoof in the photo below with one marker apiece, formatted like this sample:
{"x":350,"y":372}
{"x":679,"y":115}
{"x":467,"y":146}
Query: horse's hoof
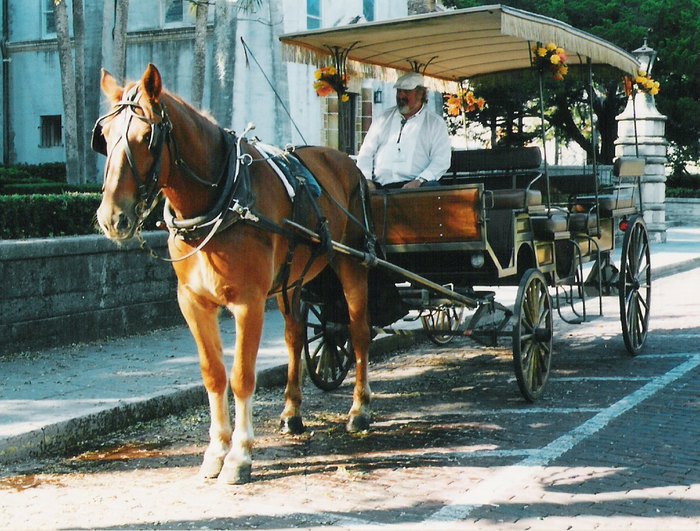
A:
{"x":211,"y":467}
{"x":235,"y":473}
{"x":357,"y":423}
{"x":292,"y":426}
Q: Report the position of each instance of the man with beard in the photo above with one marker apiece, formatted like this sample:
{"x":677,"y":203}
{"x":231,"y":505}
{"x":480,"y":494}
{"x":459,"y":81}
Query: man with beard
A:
{"x":407,"y":146}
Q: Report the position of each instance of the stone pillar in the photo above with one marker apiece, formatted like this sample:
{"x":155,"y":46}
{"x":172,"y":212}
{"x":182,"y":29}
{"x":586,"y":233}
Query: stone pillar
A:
{"x":652,"y":144}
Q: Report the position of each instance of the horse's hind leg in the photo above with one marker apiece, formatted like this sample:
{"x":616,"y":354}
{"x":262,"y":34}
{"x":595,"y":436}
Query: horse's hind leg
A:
{"x":201,"y":317}
{"x":353,"y":278}
{"x":290,"y":420}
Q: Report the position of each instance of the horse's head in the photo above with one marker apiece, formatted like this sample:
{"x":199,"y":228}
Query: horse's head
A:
{"x":132,"y":135}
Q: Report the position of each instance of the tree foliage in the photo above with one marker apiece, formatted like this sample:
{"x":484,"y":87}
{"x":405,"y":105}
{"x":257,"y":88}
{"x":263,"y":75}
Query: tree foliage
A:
{"x":673,"y":30}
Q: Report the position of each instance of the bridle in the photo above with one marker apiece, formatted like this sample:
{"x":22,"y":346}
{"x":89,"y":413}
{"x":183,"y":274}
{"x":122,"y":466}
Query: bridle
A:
{"x":161,"y":130}
{"x":234,"y":199}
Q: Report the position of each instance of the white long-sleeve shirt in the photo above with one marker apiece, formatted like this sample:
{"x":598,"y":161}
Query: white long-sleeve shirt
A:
{"x":398,"y":150}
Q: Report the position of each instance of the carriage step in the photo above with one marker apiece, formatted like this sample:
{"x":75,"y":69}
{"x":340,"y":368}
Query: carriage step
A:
{"x":579,"y":319}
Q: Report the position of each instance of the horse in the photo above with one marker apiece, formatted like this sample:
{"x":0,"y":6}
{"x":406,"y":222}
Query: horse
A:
{"x":156,"y":144}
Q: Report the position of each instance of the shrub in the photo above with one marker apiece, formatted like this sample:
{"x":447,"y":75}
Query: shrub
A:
{"x":683,"y":192}
{"x":52,"y":171}
{"x":13,"y":175}
{"x":46,"y":187}
{"x":35,"y":216}
{"x":47,"y":215}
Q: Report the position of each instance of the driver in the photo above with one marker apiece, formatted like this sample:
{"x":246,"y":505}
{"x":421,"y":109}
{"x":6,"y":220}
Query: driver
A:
{"x":407,"y":146}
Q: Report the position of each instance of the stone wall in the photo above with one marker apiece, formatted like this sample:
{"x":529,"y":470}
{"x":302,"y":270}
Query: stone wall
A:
{"x":682,"y":211}
{"x":74,"y":289}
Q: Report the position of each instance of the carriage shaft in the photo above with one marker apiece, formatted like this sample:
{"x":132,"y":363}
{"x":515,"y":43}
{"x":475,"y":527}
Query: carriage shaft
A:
{"x":373,"y":261}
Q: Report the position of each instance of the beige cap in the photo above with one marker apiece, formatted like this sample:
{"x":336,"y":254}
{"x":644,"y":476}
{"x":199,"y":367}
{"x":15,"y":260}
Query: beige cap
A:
{"x":409,"y":81}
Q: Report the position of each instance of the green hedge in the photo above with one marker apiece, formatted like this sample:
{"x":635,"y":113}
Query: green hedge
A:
{"x":38,"y":216}
{"x":43,"y":216}
{"x":46,"y":187}
{"x":683,"y":192}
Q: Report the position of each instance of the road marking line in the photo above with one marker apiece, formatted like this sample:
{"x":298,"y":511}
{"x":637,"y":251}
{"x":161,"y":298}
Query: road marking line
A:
{"x":507,"y":477}
{"x":601,"y":379}
{"x":655,"y":335}
{"x":670,"y":355}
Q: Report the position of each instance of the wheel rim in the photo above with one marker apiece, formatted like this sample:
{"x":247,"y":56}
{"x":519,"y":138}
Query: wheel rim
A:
{"x":532,"y":335}
{"x":442,"y":320}
{"x":635,"y":286}
{"x":327,"y":349}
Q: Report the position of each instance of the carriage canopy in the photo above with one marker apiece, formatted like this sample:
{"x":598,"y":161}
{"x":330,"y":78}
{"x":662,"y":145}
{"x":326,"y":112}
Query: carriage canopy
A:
{"x":454,"y":45}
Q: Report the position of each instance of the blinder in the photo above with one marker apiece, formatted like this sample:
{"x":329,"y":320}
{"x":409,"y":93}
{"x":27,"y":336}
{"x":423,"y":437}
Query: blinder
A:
{"x":98,"y":142}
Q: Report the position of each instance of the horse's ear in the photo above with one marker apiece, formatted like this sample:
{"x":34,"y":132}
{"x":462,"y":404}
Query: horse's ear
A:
{"x":110,"y":87}
{"x":152,"y":83}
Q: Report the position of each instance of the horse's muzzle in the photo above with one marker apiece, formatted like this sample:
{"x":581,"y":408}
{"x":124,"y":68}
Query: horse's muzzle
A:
{"x":116,"y":223}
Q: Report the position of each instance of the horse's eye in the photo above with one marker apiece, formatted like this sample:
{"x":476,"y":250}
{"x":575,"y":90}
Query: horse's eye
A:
{"x":147,"y":137}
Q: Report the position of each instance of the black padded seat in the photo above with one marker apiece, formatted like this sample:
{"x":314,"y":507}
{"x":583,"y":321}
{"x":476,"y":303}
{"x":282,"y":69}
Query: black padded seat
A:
{"x":582,"y":222}
{"x":552,"y":227}
{"x":608,"y":203}
{"x":519,"y":198}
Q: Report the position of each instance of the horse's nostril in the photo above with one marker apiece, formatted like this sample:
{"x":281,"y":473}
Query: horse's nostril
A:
{"x":122,"y":222}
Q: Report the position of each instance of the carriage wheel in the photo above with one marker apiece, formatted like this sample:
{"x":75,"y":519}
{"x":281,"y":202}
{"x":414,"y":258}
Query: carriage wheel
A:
{"x":327,"y":350}
{"x":442,"y":320}
{"x":635,"y":285}
{"x":532,"y":334}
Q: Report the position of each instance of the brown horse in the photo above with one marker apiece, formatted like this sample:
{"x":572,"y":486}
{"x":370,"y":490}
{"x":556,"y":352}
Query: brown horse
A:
{"x":156,"y":143}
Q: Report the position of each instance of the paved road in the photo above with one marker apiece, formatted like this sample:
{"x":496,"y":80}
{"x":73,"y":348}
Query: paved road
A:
{"x":613,"y":445}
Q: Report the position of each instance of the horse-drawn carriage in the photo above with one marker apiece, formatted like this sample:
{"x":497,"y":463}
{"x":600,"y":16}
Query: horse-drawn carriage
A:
{"x":499,"y":218}
{"x":239,"y":233}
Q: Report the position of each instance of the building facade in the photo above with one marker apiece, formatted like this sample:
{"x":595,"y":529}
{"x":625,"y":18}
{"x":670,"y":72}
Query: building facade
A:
{"x":276,"y":96}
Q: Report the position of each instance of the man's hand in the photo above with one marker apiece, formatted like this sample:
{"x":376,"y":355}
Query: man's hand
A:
{"x":371,"y":185}
{"x":415,"y":183}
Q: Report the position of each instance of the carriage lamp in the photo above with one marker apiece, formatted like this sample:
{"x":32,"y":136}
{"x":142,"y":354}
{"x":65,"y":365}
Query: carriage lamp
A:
{"x":646,"y":57}
{"x":623,"y":224}
{"x":477,"y":260}
{"x":378,"y":96}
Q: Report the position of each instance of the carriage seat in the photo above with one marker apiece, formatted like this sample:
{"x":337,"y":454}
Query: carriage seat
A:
{"x":553,"y":226}
{"x":583,"y":222}
{"x":614,"y":202}
{"x":506,"y":173}
{"x":493,"y":162}
{"x":516,"y":199}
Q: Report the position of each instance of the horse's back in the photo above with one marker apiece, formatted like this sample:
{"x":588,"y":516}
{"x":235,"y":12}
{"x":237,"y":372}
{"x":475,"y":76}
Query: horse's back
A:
{"x":333,"y":169}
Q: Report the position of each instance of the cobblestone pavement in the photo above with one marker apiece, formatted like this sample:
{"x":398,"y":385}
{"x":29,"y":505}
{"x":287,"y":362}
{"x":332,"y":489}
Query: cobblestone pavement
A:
{"x":612,"y":445}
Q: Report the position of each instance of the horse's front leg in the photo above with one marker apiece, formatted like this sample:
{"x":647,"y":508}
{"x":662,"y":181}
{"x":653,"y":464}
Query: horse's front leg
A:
{"x":290,"y":420}
{"x":249,"y":320}
{"x":353,"y":278}
{"x":201,"y":317}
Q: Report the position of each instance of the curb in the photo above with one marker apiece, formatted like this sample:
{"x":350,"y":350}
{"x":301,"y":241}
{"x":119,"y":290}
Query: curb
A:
{"x":674,"y":269}
{"x":62,"y":437}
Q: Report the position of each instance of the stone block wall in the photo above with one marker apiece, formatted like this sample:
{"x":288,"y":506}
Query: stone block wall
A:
{"x":85,"y":288}
{"x":682,"y":211}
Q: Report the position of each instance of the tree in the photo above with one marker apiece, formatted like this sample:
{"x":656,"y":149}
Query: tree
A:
{"x":673,"y":29}
{"x":224,"y":62}
{"x":200,"y":48}
{"x":121,"y":16}
{"x":279,"y":73}
{"x":225,"y":33}
{"x":79,"y":54}
{"x":65,"y":57}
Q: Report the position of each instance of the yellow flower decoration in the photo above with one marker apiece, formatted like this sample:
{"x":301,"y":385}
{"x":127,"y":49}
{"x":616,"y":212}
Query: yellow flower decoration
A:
{"x":463,"y":102}
{"x":642,"y":82}
{"x":328,"y":80}
{"x":550,"y":57}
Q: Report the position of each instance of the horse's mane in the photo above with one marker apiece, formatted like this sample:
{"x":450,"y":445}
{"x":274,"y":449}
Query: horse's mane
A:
{"x":201,"y":112}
